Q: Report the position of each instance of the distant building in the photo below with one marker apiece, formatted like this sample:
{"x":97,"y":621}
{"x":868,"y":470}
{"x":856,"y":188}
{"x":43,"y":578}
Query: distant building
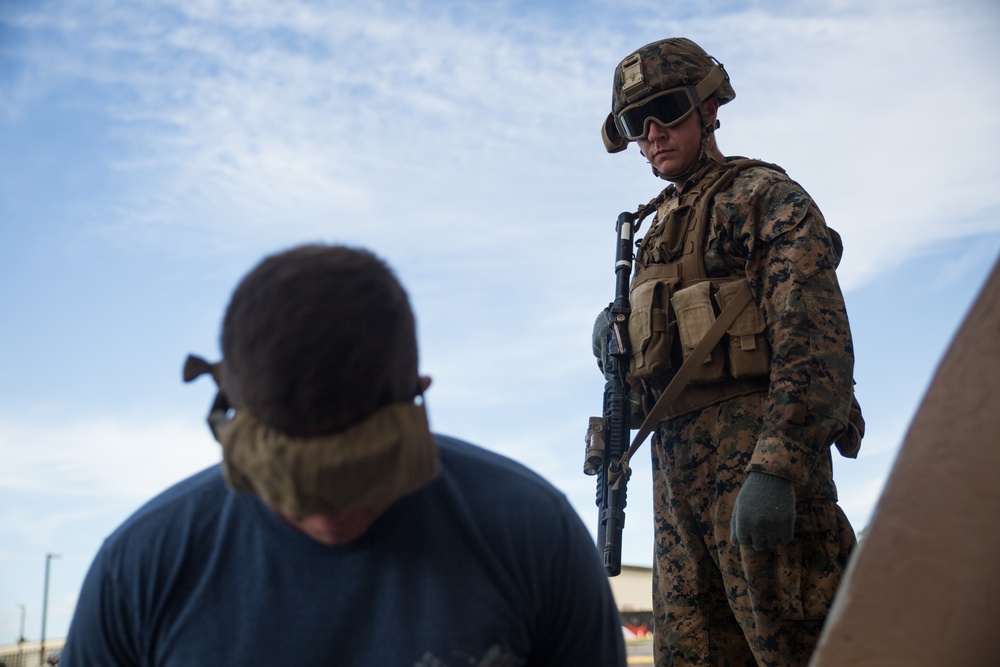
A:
{"x":633,"y":591}
{"x":27,"y":653}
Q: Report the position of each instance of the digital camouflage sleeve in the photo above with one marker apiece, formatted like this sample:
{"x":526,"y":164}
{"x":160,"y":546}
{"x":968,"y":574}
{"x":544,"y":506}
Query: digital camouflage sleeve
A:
{"x":791,"y":257}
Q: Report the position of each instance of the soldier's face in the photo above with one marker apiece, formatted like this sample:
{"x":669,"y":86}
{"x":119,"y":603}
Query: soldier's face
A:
{"x":672,"y":150}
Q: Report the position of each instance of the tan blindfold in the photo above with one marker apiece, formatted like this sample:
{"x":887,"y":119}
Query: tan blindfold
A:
{"x":387,"y":456}
{"x":390,"y":454}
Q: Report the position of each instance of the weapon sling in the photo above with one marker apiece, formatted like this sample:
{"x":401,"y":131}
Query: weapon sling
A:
{"x":684,"y":375}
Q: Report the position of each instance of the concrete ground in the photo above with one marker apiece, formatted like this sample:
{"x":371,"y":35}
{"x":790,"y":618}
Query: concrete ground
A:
{"x":639,"y":651}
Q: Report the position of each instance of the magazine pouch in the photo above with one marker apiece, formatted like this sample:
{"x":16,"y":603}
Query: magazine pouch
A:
{"x":748,"y":350}
{"x":695,"y":315}
{"x":650,"y":326}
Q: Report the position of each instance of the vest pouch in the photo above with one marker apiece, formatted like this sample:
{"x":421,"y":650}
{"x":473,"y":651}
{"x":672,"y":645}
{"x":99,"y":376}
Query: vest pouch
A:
{"x":747,"y":347}
{"x":649,"y":329}
{"x":695,"y":315}
{"x":640,"y":403}
{"x":668,"y":238}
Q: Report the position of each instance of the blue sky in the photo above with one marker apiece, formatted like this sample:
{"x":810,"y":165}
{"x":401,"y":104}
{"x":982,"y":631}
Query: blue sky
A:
{"x":151,"y":153}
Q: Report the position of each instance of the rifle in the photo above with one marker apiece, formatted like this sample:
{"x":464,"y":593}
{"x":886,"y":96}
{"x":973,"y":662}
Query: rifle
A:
{"x":608,"y":452}
{"x":608,"y":436}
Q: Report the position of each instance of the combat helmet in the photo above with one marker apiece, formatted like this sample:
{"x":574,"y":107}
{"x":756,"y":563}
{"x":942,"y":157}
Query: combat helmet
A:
{"x":663,"y":82}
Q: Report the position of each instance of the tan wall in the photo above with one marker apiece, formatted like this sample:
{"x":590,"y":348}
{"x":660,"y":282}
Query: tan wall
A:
{"x":923,"y":589}
{"x":633,"y":588}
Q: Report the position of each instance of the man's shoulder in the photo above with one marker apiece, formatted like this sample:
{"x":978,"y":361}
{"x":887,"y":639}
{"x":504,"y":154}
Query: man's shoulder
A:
{"x":755,"y":175}
{"x":506,"y":506}
{"x":477,"y":469}
{"x":763,"y":186}
{"x":462,"y":453}
{"x":188,"y":499}
{"x":207,"y":482}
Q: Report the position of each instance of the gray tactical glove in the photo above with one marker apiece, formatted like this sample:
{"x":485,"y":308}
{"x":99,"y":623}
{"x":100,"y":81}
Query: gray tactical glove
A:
{"x":601,"y":336}
{"x":764,"y":516}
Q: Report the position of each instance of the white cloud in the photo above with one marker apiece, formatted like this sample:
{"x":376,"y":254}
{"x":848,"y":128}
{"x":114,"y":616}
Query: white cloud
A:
{"x":281,"y":122}
{"x":103,"y":459}
{"x":881,"y":113}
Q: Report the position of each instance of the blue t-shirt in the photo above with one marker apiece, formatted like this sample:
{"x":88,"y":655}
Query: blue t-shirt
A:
{"x":488,"y":566}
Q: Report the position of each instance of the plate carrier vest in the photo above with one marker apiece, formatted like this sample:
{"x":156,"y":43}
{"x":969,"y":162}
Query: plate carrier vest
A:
{"x":674,"y":303}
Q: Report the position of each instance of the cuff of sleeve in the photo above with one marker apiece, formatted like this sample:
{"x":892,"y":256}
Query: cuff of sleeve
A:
{"x":783,"y":458}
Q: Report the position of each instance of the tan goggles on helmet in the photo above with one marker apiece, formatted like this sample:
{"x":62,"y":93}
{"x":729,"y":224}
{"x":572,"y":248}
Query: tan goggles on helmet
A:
{"x":667,"y":108}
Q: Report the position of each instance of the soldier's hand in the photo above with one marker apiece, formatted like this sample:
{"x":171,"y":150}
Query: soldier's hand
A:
{"x":601,"y":336}
{"x":764,"y":515}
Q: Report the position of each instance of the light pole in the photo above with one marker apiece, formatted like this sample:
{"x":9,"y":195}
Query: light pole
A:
{"x":20,"y":637}
{"x":45,"y":605}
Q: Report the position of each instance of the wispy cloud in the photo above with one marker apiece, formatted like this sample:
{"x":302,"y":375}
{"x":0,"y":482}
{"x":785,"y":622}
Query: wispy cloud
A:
{"x":881,"y":111}
{"x":402,"y":120}
{"x":103,"y":459}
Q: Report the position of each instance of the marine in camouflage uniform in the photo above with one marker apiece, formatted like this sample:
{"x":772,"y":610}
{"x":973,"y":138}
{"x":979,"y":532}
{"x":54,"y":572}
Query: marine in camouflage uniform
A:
{"x":741,"y":578}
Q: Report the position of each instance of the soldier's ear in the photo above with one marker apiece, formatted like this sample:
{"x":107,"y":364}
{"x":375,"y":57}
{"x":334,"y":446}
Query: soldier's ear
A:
{"x":710,"y":107}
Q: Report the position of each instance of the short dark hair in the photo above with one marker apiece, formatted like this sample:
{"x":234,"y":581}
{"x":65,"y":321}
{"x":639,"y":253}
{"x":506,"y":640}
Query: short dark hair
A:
{"x":318,"y":337}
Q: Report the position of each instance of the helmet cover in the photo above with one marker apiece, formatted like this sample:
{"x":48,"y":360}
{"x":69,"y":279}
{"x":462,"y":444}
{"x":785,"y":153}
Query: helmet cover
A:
{"x":668,"y":63}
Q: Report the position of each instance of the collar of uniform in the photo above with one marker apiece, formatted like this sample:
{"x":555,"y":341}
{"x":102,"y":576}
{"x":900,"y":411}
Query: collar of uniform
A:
{"x":697,"y":176}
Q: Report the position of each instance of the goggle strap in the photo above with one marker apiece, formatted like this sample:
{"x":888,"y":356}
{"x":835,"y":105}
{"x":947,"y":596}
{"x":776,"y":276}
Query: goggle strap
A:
{"x":708,"y":85}
{"x":614,"y":142}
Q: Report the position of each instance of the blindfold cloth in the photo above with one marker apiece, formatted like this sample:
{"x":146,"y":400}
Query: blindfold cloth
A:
{"x":386,"y":456}
{"x":377,"y":461}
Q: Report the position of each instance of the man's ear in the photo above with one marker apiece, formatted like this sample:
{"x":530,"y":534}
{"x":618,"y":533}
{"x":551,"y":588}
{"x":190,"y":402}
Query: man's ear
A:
{"x":710,"y":108}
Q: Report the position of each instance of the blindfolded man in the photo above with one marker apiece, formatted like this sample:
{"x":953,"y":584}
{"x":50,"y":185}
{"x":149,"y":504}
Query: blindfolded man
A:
{"x":338,"y":529}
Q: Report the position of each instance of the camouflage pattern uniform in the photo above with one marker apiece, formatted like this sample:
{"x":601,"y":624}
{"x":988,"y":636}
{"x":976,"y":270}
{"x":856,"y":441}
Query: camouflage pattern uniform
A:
{"x":717,"y":603}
